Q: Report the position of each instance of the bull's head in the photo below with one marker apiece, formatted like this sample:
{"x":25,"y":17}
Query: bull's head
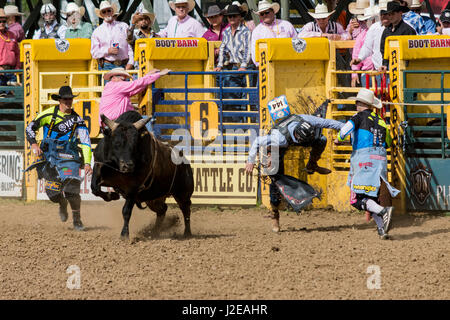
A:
{"x":122,"y":147}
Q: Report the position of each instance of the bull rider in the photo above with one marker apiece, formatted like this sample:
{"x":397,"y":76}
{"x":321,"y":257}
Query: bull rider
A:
{"x":59,"y":160}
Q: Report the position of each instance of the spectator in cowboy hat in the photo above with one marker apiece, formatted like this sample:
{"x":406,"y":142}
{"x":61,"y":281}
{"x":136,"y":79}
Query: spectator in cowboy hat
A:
{"x":413,"y":19}
{"x":182,"y":25}
{"x":15,"y":22}
{"x":118,"y":91}
{"x":247,"y":18}
{"x":417,"y":7}
{"x":356,"y":26}
{"x":75,"y":27}
{"x":141,"y":26}
{"x":270,"y":26}
{"x":9,"y":52}
{"x":322,"y":26}
{"x":51,"y":28}
{"x":217,"y":23}
{"x":444,"y":23}
{"x":397,"y":27}
{"x":109,"y":40}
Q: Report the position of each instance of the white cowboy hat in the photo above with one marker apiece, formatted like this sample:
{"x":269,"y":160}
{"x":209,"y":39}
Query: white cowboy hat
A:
{"x":382,"y":5}
{"x":265,"y":5}
{"x":244,"y":6}
{"x":73,"y":7}
{"x":414,"y":4}
{"x":12,"y":11}
{"x":149,"y":14}
{"x":358,"y":6}
{"x":105,"y":5}
{"x":116,"y":72}
{"x":369,"y":13}
{"x":368,"y":97}
{"x":191,"y":4}
{"x":321,"y":11}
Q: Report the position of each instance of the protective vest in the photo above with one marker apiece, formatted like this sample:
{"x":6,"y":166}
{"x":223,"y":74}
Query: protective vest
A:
{"x":282,"y":127}
{"x":52,"y":35}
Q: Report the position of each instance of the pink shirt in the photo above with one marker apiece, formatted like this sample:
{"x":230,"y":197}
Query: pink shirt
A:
{"x":9,"y":50}
{"x":103,"y":38}
{"x":309,"y":31}
{"x":116,"y":95}
{"x":186,"y":28}
{"x":278,"y":29}
{"x":366,"y":64}
{"x":17,"y":29}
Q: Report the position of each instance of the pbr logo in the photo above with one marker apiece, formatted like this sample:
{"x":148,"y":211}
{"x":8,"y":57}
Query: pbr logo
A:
{"x":62,"y":45}
{"x":299,"y":45}
{"x":421,"y":182}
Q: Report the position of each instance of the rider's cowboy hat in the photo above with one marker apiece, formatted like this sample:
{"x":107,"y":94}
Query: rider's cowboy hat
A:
{"x":65,"y":92}
{"x":73,"y":7}
{"x":358,"y":6}
{"x":105,"y":5}
{"x":191,"y":4}
{"x":321,"y":11}
{"x":13,"y":11}
{"x":116,"y":72}
{"x":368,"y":97}
{"x":266,"y":5}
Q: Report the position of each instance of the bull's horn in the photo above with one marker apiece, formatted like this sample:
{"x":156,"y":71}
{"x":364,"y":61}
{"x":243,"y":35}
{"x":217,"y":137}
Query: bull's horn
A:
{"x":111,"y":124}
{"x":141,"y":123}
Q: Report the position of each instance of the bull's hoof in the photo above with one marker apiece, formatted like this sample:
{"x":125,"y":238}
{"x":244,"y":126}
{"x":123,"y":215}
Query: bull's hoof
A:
{"x":187,"y":234}
{"x":124,"y":237}
{"x":112,"y":196}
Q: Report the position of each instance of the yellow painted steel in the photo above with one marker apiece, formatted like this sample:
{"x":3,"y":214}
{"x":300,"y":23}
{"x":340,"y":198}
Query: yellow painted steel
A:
{"x":204,"y":120}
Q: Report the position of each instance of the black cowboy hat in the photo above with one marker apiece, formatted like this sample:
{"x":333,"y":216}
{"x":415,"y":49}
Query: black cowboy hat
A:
{"x":213,"y":10}
{"x":65,"y":92}
{"x":234,"y":10}
{"x":394,"y":6}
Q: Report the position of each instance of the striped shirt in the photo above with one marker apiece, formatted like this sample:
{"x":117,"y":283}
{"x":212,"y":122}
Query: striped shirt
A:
{"x":236,"y":48}
{"x":312,"y":29}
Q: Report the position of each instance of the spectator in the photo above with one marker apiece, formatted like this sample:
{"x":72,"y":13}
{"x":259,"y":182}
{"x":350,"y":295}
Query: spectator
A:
{"x":217,"y":25}
{"x":413,"y":19}
{"x":366,"y":64}
{"x":75,"y":27}
{"x":109,"y":40}
{"x":396,"y":27}
{"x":234,"y":54}
{"x":249,"y":23}
{"x":51,"y":28}
{"x":371,"y":45}
{"x":15,"y":22}
{"x":417,"y":7}
{"x":270,"y":27}
{"x":444,"y":23}
{"x":144,"y":21}
{"x":9,"y":52}
{"x":356,"y":26}
{"x":182,"y":25}
{"x":322,"y":26}
{"x":116,"y":96}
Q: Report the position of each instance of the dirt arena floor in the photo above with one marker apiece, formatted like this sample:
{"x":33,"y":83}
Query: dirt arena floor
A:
{"x":232,"y":255}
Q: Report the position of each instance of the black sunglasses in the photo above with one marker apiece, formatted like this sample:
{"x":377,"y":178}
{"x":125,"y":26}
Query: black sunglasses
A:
{"x":233,"y":15}
{"x":262,"y":14}
{"x":2,"y":21}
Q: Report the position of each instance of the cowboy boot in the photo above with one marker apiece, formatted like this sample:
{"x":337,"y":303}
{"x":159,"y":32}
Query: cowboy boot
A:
{"x":77,"y":224}
{"x":63,"y":214}
{"x":312,"y":167}
{"x":275,"y":217}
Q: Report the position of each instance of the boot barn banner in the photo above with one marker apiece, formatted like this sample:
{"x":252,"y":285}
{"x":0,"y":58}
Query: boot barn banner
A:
{"x":11,"y":173}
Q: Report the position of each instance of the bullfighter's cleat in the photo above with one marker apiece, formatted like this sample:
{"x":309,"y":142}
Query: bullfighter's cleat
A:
{"x":383,"y":234}
{"x":386,"y":214}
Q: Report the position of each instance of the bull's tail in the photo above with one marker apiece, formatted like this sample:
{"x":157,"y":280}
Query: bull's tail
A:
{"x":139,"y":205}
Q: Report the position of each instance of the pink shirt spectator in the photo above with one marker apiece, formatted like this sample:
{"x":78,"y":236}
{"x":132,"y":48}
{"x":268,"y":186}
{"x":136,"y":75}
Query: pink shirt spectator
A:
{"x":278,"y":29}
{"x":103,"y":38}
{"x":357,"y":31}
{"x":210,"y":35}
{"x":17,"y":30}
{"x":312,"y":30}
{"x":366,"y":64}
{"x":186,"y":28}
{"x":9,"y":51}
{"x":116,"y":96}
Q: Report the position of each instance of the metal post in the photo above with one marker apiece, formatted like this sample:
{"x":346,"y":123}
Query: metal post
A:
{"x":284,"y":10}
{"x":253,"y":7}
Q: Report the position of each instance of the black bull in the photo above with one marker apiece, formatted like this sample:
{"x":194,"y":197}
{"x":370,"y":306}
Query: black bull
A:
{"x":140,"y":168}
